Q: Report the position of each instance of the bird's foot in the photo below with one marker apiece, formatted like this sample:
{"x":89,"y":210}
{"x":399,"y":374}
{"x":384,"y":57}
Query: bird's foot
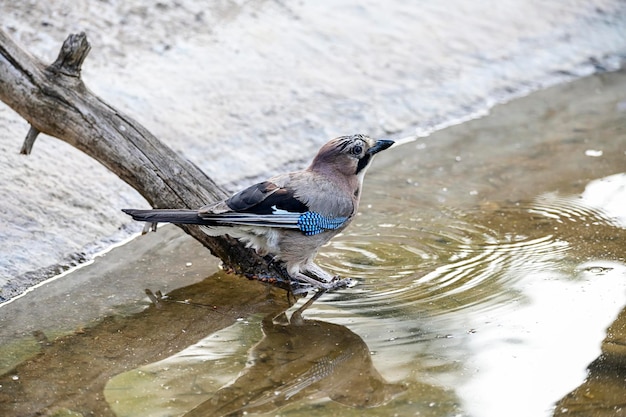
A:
{"x":315,"y":271}
{"x":339,"y":283}
{"x":302,"y":284}
{"x":298,"y":283}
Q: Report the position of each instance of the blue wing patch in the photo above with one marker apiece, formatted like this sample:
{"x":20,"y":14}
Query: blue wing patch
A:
{"x":312,"y":223}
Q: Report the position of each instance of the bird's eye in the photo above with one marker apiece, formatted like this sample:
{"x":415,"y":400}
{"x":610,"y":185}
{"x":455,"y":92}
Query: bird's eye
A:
{"x":357,"y":149}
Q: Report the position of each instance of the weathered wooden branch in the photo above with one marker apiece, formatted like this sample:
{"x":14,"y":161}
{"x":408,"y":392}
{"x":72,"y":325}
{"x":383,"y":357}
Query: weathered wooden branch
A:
{"x":31,"y":137}
{"x":55,"y":101}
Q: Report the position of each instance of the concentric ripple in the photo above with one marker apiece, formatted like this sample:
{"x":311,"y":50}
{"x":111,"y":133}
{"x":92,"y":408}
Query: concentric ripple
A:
{"x":572,"y":209}
{"x":450,"y":261}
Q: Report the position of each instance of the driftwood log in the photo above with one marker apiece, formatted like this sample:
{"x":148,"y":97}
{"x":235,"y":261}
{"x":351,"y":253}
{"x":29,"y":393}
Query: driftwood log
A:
{"x":55,"y":101}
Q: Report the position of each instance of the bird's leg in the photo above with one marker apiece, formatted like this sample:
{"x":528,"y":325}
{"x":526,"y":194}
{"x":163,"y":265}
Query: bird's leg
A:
{"x":274,"y":263}
{"x":315,"y":271}
{"x":313,"y":277}
{"x":298,"y":282}
{"x":323,"y":286}
{"x":334,"y":282}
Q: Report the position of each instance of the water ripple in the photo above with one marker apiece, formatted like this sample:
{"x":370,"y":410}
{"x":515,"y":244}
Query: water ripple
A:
{"x":453,"y":262}
{"x":569,"y":208}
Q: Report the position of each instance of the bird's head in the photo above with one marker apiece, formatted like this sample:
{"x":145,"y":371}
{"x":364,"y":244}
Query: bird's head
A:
{"x":349,"y":155}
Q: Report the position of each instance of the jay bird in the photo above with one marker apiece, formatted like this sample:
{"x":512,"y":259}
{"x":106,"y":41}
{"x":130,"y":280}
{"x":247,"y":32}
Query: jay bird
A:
{"x":290,"y":216}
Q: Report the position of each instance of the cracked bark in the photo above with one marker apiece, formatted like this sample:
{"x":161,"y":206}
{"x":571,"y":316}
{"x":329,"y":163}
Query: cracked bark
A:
{"x":55,"y":101}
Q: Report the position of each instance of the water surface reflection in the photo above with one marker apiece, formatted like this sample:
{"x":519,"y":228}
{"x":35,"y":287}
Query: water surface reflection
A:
{"x":295,"y":359}
{"x":509,"y":300}
{"x":484,"y":307}
{"x":490,"y":260}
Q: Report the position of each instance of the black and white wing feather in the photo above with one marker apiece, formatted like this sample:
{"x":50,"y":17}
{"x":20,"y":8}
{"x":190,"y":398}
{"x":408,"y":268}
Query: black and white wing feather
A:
{"x":267,"y":205}
{"x":261,"y":205}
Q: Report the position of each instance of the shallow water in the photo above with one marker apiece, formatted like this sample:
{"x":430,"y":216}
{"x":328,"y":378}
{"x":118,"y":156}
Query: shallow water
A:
{"x":490,"y":259}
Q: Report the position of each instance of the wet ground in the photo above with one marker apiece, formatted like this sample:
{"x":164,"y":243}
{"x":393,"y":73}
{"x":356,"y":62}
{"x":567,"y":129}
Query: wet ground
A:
{"x":491,"y":265}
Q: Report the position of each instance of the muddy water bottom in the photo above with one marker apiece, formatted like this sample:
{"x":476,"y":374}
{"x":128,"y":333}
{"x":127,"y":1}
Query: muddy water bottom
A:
{"x":492,"y":281}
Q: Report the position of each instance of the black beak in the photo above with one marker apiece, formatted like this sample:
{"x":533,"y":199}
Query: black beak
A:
{"x":380,"y":145}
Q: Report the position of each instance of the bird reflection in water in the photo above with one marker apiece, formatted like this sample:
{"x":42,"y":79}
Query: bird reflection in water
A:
{"x":302,"y":359}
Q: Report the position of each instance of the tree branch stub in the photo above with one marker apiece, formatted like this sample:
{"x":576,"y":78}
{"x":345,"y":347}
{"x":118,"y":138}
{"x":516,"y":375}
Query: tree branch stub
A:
{"x":72,"y":54}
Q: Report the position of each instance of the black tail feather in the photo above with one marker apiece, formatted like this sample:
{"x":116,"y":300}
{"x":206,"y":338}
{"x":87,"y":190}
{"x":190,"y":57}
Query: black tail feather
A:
{"x":177,"y":216}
